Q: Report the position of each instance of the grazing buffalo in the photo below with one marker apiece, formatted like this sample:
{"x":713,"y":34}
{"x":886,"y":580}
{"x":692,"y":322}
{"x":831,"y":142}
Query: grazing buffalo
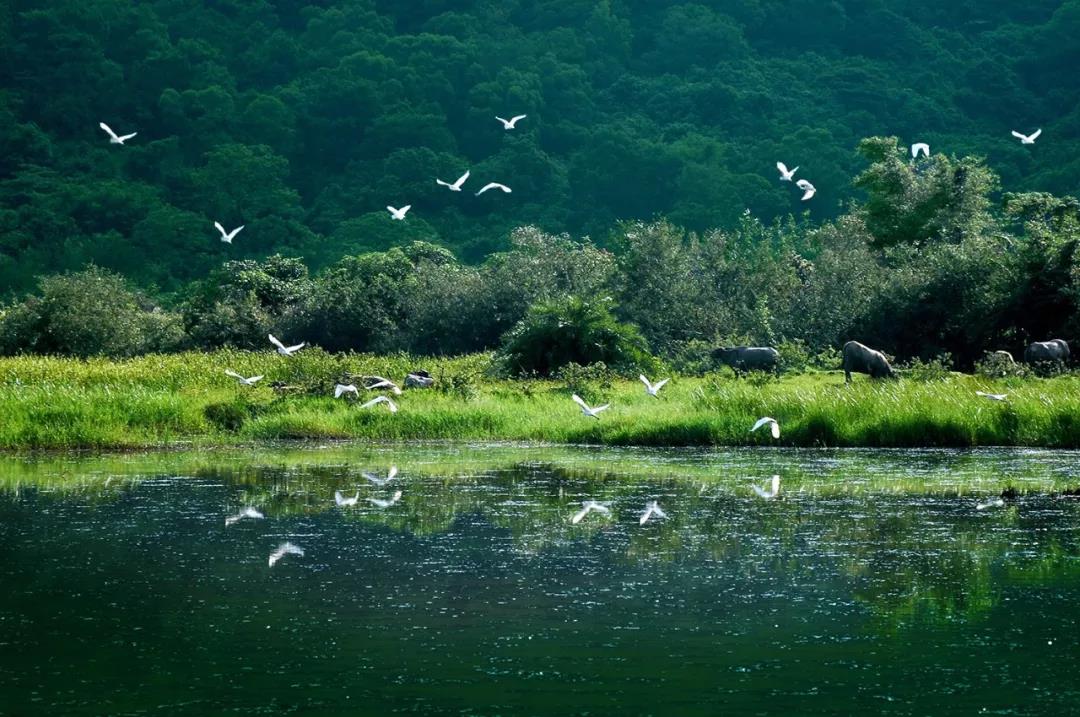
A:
{"x":1047,"y":351}
{"x":749,"y":358}
{"x":863,"y":359}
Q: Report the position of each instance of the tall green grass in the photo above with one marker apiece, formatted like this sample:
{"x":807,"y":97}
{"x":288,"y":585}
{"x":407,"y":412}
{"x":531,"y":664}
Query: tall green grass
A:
{"x":155,"y":400}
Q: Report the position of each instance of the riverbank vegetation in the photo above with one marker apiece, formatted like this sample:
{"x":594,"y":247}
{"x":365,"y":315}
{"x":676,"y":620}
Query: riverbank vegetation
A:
{"x":161,"y":400}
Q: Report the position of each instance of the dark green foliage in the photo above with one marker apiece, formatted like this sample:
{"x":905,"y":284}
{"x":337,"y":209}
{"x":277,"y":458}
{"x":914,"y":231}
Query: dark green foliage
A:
{"x":572,"y":331}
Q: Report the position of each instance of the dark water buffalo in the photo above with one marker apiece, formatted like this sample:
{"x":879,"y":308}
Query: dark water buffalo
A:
{"x":1046,"y":351}
{"x":863,"y":359}
{"x":749,"y":358}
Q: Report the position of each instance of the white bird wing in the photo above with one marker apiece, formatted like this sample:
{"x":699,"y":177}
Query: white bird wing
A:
{"x":461,"y":179}
{"x":339,"y":498}
{"x":255,"y":379}
{"x":393,"y":472}
{"x":645,"y":381}
{"x":660,"y":384}
{"x":761,"y":422}
{"x":514,"y":120}
{"x":1018,"y":135}
{"x":775,"y":484}
{"x":297,"y":347}
{"x":505,"y":122}
{"x":578,"y":516}
{"x":112,"y":134}
{"x":275,"y":342}
{"x":782,"y":167}
{"x":234,"y":374}
{"x":252,"y":513}
{"x":804,"y":184}
{"x":598,"y":409}
{"x":442,"y":183}
{"x":762,"y":493}
{"x":405,"y":208}
{"x":579,"y":401}
{"x":1036,"y":135}
{"x":339,"y":389}
{"x":775,"y":429}
{"x":494,"y":185}
{"x":126,"y":137}
{"x":234,"y":232}
{"x":809,"y":194}
{"x":224,"y":234}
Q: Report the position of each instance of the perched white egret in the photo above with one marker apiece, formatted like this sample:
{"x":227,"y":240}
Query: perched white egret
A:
{"x":381,"y":399}
{"x":283,"y":349}
{"x":768,"y":494}
{"x":380,"y":503}
{"x":786,"y":175}
{"x":774,"y":427}
{"x":651,"y":508}
{"x":1025,"y":138}
{"x":227,"y":237}
{"x":992,"y":503}
{"x":249,"y":381}
{"x":340,"y":389}
{"x":587,"y":507}
{"x":381,"y":382}
{"x":992,"y":396}
{"x":382,"y":481}
{"x":398,"y":214}
{"x":653,"y":388}
{"x":113,"y":138}
{"x":343,"y":500}
{"x":808,"y":189}
{"x":283,"y":550}
{"x":586,"y":410}
{"x":920,"y":147}
{"x":494,"y":185}
{"x":509,"y":123}
{"x":248,"y":512}
{"x":456,"y":186}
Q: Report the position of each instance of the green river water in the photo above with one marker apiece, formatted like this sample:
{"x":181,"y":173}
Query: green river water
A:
{"x":870,"y":585}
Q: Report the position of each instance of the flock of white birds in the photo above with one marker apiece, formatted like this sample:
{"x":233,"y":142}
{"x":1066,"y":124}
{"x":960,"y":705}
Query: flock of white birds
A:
{"x":652,"y":509}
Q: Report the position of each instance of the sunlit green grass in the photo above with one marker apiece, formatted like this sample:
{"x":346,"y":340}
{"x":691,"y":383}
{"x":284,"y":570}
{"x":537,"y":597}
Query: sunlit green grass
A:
{"x":48,"y":403}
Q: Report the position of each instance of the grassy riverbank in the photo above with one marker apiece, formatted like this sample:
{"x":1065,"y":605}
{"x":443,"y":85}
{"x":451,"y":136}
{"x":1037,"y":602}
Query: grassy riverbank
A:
{"x":50,"y":403}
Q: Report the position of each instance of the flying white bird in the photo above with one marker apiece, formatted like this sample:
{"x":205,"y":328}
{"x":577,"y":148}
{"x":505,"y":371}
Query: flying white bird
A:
{"x":227,"y":237}
{"x":992,"y":503}
{"x":456,"y":186}
{"x":587,"y":507}
{"x":993,"y":396}
{"x":283,"y":550}
{"x":342,"y":500}
{"x":381,"y":399}
{"x":340,"y":389}
{"x":768,"y":494}
{"x":786,"y":174}
{"x":241,"y":380}
{"x":398,"y":214}
{"x":651,"y":509}
{"x":920,"y":147}
{"x":283,"y":349}
{"x":585,"y":410}
{"x":509,"y":124}
{"x":382,"y":481}
{"x":494,"y":185}
{"x":248,"y":512}
{"x":113,"y":138}
{"x":381,"y":382}
{"x":653,"y":388}
{"x":380,"y":503}
{"x":808,"y":189}
{"x":774,"y":427}
{"x":1027,"y":139}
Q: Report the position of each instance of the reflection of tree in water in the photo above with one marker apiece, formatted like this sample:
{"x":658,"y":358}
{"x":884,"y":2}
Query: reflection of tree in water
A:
{"x":910,"y":556}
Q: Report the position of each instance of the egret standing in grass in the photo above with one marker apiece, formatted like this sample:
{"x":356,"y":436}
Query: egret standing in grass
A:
{"x":340,"y":389}
{"x":587,"y":507}
{"x":586,"y":410}
{"x":381,"y":399}
{"x":768,"y":494}
{"x":249,"y":381}
{"x":283,"y":349}
{"x":248,"y":512}
{"x":653,"y":388}
{"x":774,"y":427}
{"x":651,"y":508}
{"x":283,"y":550}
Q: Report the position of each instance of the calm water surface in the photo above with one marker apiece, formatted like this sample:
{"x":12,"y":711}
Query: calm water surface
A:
{"x":870,"y":585}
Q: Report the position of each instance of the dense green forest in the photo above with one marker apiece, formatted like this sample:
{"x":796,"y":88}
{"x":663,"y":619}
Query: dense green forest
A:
{"x":651,"y":138}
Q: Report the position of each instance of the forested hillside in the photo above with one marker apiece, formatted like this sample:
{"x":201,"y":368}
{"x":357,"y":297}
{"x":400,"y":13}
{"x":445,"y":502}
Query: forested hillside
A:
{"x":303,"y":119}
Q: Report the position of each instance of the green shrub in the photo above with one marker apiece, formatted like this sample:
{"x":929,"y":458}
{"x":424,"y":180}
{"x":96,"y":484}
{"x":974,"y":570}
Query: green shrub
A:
{"x":935,"y":369}
{"x":587,"y":381}
{"x":573,"y":330}
{"x":996,"y":365}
